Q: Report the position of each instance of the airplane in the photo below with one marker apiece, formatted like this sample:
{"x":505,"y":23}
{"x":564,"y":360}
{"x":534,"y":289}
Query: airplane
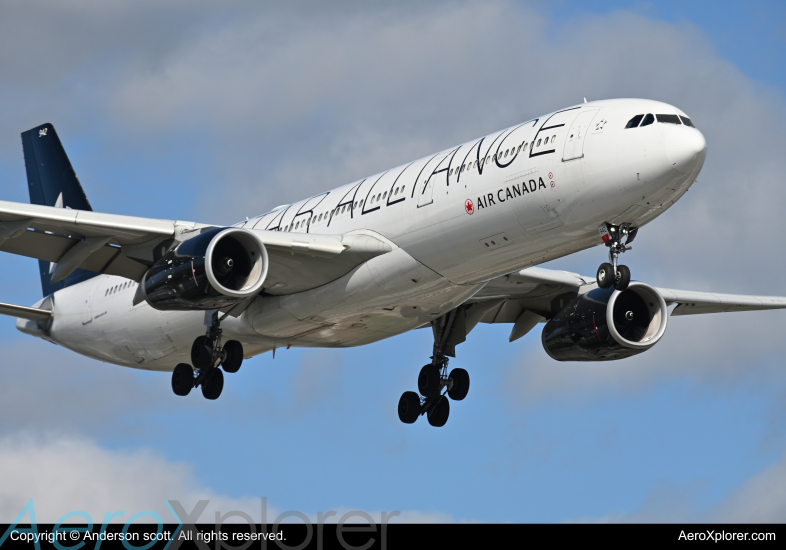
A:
{"x":447,"y":241}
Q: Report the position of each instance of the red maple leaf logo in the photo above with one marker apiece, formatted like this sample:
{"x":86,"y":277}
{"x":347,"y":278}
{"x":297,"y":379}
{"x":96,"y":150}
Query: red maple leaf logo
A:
{"x":469,"y":207}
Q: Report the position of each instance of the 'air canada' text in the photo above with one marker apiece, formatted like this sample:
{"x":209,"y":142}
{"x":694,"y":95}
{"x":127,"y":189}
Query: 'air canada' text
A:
{"x":511,"y":192}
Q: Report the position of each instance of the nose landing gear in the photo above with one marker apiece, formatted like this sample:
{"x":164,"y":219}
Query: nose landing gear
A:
{"x":206,"y":355}
{"x":435,"y":384}
{"x":610,"y":273}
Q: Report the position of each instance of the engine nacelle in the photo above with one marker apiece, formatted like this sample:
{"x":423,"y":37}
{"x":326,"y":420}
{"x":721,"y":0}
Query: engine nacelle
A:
{"x":216,"y":269}
{"x":606,"y":324}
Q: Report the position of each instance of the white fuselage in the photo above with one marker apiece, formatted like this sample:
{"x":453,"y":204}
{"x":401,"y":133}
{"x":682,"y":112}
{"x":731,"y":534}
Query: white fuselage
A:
{"x":455,"y":220}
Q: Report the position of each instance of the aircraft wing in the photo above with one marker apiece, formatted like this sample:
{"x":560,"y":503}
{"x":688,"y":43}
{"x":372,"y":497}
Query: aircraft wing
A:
{"x":532,"y":295}
{"x":127,"y":246}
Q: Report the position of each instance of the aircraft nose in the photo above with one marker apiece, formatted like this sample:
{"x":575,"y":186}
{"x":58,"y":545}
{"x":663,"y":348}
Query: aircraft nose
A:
{"x":685,"y":148}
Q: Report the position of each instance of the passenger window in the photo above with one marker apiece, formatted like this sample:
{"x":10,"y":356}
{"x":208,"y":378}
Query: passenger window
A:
{"x":379,"y":197}
{"x":451,"y":172}
{"x":634,"y":122}
{"x":538,"y":145}
{"x":107,"y":292}
{"x":649,"y":119}
{"x":495,"y":157}
{"x":396,"y":193}
{"x":319,"y":218}
{"x":384,"y":195}
{"x":343,"y":208}
{"x":553,"y":138}
{"x":686,"y":121}
{"x":669,"y":119}
{"x":402,"y":188}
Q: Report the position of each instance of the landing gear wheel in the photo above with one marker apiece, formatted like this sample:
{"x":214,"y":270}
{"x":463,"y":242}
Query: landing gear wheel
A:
{"x":605,"y":275}
{"x":428,"y":380}
{"x":182,"y":379}
{"x":623,"y":277}
{"x":213,"y":384}
{"x":234,"y":356}
{"x":438,"y":416}
{"x":409,"y":407}
{"x":202,"y":353}
{"x":460,"y":387}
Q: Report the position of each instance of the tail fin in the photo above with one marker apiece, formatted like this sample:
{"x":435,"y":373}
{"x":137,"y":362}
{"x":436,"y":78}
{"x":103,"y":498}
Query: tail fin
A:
{"x":52,"y":182}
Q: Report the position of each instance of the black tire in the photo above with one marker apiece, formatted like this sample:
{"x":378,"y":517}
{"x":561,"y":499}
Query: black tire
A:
{"x":202,"y":353}
{"x":409,"y":407}
{"x":213,"y":384}
{"x":428,"y":380}
{"x":234,"y":358}
{"x":605,"y":275}
{"x":460,"y":384}
{"x":440,"y":413}
{"x":623,"y":277}
{"x":182,"y":379}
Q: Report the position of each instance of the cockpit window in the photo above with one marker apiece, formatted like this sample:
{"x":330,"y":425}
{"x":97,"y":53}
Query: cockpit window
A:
{"x":686,"y":121}
{"x":649,"y":119}
{"x":634,"y":122}
{"x":669,"y":119}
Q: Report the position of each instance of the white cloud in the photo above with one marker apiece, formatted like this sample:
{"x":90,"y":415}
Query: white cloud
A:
{"x":64,"y":474}
{"x":760,"y":499}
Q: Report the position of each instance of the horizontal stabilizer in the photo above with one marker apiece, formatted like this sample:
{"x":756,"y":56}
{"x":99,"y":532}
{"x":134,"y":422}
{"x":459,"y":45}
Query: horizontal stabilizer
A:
{"x":24,"y":312}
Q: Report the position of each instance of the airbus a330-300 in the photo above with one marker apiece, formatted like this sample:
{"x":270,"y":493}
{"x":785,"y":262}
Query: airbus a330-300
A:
{"x":446,"y":241}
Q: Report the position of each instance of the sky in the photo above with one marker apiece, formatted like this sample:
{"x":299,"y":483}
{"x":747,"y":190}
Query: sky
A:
{"x":214,"y":112}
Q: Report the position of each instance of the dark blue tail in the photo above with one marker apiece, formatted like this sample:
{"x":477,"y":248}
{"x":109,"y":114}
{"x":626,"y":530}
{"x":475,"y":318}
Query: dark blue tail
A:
{"x":52,"y":182}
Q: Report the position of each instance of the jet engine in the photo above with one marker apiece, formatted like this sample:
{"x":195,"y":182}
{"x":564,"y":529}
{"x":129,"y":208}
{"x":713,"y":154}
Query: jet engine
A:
{"x":606,"y":324}
{"x":216,"y":269}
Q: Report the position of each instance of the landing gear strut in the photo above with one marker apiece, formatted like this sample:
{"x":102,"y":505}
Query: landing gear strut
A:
{"x":433,"y":379}
{"x":610,"y":273}
{"x":206,"y":355}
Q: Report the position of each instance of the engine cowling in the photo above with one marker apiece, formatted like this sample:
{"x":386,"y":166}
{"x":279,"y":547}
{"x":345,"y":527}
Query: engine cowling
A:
{"x":216,"y":269}
{"x":607,"y":324}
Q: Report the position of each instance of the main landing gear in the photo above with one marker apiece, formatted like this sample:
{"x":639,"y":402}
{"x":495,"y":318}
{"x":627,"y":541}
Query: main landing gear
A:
{"x":610,"y":273}
{"x":206,"y":355}
{"x":435,"y":384}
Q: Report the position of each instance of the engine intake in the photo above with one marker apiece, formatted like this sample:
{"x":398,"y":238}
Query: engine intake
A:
{"x":606,"y":324}
{"x":216,"y":269}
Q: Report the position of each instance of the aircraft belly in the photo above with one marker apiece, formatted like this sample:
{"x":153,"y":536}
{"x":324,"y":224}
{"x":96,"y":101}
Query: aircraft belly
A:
{"x":387,"y":295}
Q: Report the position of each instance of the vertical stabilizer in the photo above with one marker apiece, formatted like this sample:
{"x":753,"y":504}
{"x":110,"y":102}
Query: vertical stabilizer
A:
{"x":52,"y":181}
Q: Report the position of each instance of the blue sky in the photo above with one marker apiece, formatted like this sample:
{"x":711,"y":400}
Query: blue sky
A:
{"x":190,"y":112}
